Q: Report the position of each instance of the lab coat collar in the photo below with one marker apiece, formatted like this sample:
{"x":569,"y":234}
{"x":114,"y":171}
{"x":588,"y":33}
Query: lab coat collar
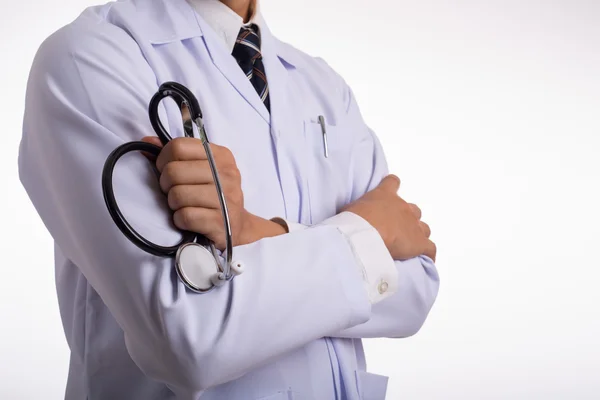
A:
{"x":167,"y":21}
{"x":271,"y":45}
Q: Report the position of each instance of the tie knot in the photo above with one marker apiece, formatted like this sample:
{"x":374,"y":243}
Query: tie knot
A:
{"x":247,"y":45}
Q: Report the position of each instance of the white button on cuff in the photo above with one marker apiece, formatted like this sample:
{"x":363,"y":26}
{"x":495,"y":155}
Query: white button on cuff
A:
{"x":383,"y":287}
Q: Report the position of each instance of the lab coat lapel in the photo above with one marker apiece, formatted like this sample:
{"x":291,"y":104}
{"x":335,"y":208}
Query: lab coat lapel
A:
{"x":287,"y":126}
{"x":282,"y":116}
{"x":230,"y":69}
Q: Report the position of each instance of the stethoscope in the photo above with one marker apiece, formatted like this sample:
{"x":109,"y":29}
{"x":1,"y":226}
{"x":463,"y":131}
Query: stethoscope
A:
{"x":198,"y":267}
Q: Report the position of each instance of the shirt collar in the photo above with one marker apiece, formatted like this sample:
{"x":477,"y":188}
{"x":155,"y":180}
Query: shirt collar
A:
{"x":224,"y":21}
{"x":166,"y":21}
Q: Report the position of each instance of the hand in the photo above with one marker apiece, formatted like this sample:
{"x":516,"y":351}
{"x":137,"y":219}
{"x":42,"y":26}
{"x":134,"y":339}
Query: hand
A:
{"x":186,"y":178}
{"x":398,"y":222}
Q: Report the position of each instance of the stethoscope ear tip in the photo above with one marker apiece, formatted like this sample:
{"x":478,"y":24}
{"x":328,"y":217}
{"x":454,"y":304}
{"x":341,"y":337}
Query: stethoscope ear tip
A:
{"x":237,"y":268}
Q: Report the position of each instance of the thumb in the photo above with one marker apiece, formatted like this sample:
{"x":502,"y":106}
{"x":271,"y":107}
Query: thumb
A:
{"x":390,"y":183}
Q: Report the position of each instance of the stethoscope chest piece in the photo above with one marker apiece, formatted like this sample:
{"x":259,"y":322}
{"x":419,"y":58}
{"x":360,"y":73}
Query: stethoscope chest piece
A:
{"x":196,"y":267}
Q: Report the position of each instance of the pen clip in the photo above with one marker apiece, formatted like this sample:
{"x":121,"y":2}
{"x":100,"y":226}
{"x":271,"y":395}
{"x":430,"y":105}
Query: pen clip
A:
{"x":324,"y":131}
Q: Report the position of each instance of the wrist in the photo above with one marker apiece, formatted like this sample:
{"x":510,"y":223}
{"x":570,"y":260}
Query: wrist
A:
{"x":386,"y":236}
{"x":257,"y":228}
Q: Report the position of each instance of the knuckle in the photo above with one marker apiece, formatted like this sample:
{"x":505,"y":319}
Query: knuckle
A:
{"x":177,"y":147}
{"x":426,"y":229}
{"x":226,"y":153}
{"x":416,"y":210}
{"x":233,"y":193}
{"x":185,"y":218}
{"x":226,"y":157}
{"x":431,"y":246}
{"x":169,"y":172}
{"x":165,"y":183}
{"x":217,"y":220}
{"x":176,"y":197}
{"x":231,"y":172}
{"x":400,"y":203}
{"x":238,"y":196}
{"x":236,"y":174}
{"x":170,"y":168}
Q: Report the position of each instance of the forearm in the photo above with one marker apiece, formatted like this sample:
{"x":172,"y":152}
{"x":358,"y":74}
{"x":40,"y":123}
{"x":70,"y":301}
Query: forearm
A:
{"x":411,"y":295}
{"x":403,"y":313}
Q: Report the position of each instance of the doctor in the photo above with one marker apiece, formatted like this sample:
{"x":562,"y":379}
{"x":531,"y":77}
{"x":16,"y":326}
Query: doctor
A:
{"x":332,"y":254}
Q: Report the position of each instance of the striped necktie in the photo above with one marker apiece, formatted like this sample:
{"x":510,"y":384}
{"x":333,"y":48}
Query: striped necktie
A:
{"x":247,"y":54}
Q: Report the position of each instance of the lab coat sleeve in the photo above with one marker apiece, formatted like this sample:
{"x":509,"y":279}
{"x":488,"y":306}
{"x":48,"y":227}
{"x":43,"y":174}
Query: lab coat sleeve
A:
{"x":88,"y":93}
{"x":373,"y":260}
{"x":403,"y":313}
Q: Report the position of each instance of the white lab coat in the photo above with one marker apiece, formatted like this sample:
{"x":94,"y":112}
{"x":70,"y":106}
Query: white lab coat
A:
{"x":291,"y":326}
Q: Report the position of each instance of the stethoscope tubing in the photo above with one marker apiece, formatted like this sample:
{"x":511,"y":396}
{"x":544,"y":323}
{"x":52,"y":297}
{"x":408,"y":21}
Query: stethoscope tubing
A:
{"x":115,"y":212}
{"x":181,"y":95}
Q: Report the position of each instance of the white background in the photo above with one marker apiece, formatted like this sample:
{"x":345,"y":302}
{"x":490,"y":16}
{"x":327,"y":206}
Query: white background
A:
{"x":489,"y":111}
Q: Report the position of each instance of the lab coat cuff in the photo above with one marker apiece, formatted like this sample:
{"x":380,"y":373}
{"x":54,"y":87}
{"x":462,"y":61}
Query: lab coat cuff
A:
{"x":374,"y":262}
{"x":289,"y":226}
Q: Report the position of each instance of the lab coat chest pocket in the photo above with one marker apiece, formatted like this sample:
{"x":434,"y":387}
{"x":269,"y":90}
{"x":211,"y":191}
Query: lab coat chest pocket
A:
{"x":328,"y":176}
{"x":371,"y":386}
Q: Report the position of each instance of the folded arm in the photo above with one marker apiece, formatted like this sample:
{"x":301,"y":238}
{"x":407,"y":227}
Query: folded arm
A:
{"x":85,"y":98}
{"x":403,"y":313}
{"x":402,"y":304}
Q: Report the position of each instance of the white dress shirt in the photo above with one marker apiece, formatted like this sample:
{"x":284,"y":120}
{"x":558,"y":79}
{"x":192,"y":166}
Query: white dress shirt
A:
{"x":376,"y":266}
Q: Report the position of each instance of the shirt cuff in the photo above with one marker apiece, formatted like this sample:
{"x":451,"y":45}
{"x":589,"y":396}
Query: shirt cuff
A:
{"x":289,"y":226}
{"x":375,"y":264}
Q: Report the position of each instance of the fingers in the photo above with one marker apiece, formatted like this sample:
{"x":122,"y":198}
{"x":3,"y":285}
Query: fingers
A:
{"x":430,"y":250}
{"x":201,"y":220}
{"x":191,"y":149}
{"x":204,"y":196}
{"x":415,"y":210}
{"x":417,"y":213}
{"x":181,"y":149}
{"x":390,"y":183}
{"x":425,"y":228}
{"x":183,"y":161}
{"x":185,"y":173}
